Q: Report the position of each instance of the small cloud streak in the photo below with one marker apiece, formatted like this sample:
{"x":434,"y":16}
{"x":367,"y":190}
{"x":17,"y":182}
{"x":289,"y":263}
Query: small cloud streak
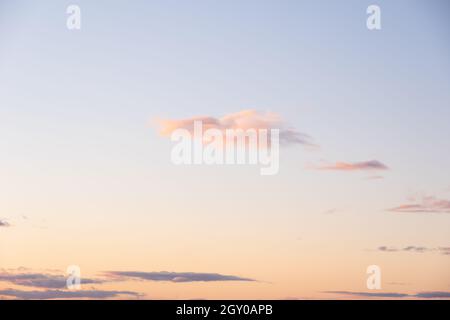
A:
{"x":374,"y":178}
{"x":372,"y":165}
{"x":330,"y":211}
{"x":175,"y":276}
{"x":371,"y":294}
{"x":387,"y":249}
{"x":63,"y":294}
{"x":4,"y":223}
{"x":245,"y":120}
{"x":420,"y":295}
{"x":427,"y":204}
{"x":416,"y":249}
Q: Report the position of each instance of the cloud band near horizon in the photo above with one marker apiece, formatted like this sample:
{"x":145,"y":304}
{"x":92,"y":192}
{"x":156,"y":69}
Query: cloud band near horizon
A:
{"x":175,"y":276}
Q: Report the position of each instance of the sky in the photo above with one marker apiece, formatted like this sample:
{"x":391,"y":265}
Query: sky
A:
{"x":87,"y":178}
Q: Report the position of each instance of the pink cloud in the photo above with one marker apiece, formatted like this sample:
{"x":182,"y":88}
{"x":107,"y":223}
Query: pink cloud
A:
{"x":371,"y":165}
{"x":245,"y":119}
{"x":424,"y":205}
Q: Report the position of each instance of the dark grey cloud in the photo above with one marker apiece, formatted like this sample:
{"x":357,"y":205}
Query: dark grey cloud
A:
{"x":424,"y":205}
{"x":175,"y":276}
{"x":433,"y":295}
{"x":63,"y":294}
{"x":52,"y":281}
{"x":416,"y":249}
{"x":4,"y":223}
{"x":40,"y":280}
{"x":422,"y":295}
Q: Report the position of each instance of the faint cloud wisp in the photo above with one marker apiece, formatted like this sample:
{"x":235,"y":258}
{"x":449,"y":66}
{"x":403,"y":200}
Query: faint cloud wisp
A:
{"x":428,"y":204}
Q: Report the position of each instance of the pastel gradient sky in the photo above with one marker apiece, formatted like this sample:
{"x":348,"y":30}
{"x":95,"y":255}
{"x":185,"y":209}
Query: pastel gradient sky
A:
{"x":86,"y":180}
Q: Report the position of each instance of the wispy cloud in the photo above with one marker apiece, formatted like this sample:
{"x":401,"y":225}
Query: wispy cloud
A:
{"x":372,"y":165}
{"x":416,"y":249}
{"x":330,"y":211}
{"x":175,"y":276}
{"x":40,"y":280}
{"x":245,"y":119}
{"x":65,"y":294}
{"x":371,"y":294}
{"x":4,"y":223}
{"x":428,"y":204}
{"x":376,"y":177}
{"x":387,"y":249}
{"x":421,"y":295}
